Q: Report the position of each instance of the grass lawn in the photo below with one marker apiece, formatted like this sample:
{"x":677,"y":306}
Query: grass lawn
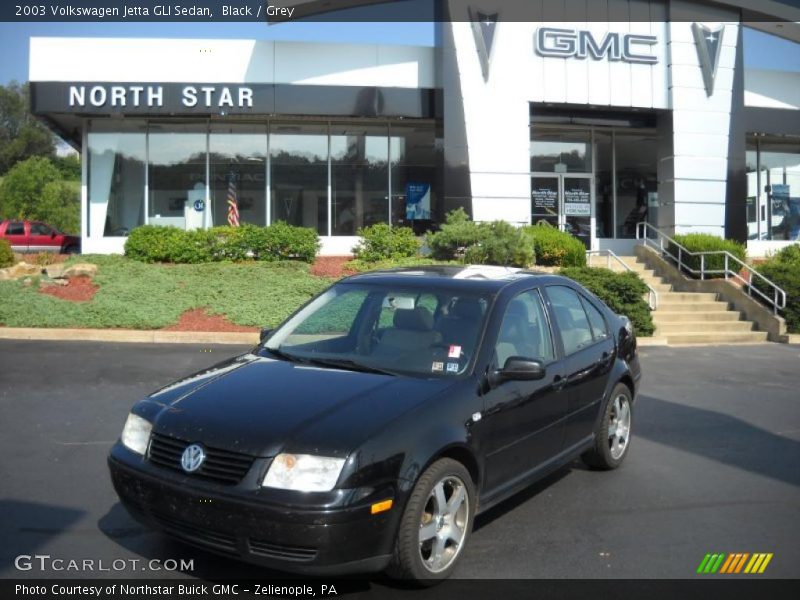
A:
{"x":150,"y":296}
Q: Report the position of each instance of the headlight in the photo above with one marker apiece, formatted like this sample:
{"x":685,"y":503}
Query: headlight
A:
{"x":303,"y":473}
{"x":136,"y":433}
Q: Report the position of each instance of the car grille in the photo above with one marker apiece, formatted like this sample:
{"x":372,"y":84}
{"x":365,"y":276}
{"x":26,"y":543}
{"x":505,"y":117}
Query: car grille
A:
{"x":220,"y":466}
{"x":270,"y":550}
{"x":191,"y":533}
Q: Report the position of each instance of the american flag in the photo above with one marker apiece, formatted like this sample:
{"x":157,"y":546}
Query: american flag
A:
{"x":233,"y":201}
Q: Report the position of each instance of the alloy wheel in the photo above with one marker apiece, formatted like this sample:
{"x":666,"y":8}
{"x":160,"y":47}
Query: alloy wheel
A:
{"x":443,"y":524}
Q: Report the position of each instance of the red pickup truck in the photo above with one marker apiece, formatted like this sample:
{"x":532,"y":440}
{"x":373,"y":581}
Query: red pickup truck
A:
{"x":35,"y":236}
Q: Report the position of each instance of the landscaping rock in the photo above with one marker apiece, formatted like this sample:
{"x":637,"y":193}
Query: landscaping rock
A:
{"x":61,"y":282}
{"x":55,"y":271}
{"x":27,"y":282}
{"x":19,"y":271}
{"x":76,"y":270}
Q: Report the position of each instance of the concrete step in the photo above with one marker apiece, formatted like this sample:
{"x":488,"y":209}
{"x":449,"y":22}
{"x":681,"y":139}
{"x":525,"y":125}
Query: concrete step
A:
{"x":688,"y":297}
{"x":739,"y":337}
{"x":710,"y":327}
{"x":661,"y":288}
{"x":665,"y":305}
{"x":716,"y":316}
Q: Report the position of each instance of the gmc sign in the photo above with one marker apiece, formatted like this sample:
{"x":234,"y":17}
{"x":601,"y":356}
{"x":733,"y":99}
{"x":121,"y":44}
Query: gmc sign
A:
{"x":564,"y":43}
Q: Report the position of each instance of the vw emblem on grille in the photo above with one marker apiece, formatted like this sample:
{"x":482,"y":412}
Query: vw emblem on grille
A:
{"x":192,"y":458}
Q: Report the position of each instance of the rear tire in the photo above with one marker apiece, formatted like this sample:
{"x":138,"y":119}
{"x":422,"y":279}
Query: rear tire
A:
{"x":435,"y":525}
{"x":612,"y":436}
{"x":71,"y":250}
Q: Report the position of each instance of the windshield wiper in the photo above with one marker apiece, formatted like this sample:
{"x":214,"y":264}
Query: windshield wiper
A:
{"x":350,"y":365}
{"x":284,"y":355}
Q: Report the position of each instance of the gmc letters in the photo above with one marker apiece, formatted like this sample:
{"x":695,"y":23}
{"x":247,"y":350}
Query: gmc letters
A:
{"x":628,"y":47}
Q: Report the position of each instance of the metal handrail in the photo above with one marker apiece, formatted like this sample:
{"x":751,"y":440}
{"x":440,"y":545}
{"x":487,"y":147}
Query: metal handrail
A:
{"x":778,"y":300}
{"x":652,"y":297}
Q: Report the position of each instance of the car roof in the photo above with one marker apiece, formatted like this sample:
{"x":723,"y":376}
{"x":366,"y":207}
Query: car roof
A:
{"x":482,"y":278}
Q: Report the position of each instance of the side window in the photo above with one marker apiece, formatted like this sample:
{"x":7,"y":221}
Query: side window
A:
{"x":573,"y":325}
{"x":15,"y":228}
{"x":596,"y":320}
{"x":40,"y":229}
{"x":524,"y":330}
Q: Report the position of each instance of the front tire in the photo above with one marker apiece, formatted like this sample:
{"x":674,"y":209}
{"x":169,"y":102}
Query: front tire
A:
{"x":436,"y":524}
{"x":613,"y":434}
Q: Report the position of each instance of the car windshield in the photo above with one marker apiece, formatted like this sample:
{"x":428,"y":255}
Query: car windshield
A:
{"x":369,"y":327}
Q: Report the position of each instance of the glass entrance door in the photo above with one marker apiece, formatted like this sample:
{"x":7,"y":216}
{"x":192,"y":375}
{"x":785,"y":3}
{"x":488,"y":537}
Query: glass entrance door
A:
{"x":564,"y":201}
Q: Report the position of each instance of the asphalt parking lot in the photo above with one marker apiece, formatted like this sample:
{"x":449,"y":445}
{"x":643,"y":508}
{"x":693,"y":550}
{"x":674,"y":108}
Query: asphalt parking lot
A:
{"x":714,"y":467}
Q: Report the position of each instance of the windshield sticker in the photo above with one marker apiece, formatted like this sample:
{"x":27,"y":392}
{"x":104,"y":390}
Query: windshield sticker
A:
{"x":437,"y":366}
{"x":455,"y":352}
{"x":452,"y":367}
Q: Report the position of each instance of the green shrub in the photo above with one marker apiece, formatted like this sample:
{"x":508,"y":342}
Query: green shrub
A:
{"x":281,"y":241}
{"x":60,"y":206}
{"x":790,"y":254}
{"x":786,"y":275}
{"x":553,"y":247}
{"x":705,"y":242}
{"x":6,"y":255}
{"x":152,"y":243}
{"x":496,"y":243}
{"x":622,"y":292}
{"x":456,"y":235}
{"x":384,"y":242}
{"x":501,"y":244}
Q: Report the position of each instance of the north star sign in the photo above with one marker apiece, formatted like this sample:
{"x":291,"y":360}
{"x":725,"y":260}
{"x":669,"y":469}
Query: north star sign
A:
{"x":578,"y":43}
{"x":152,"y":96}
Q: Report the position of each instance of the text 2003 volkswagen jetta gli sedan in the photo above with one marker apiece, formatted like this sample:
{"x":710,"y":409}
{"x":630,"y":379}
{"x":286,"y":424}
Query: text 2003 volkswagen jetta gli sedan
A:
{"x":366,"y":431}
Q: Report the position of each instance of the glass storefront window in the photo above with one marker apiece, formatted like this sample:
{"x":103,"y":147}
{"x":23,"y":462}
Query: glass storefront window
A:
{"x":604,"y":185}
{"x":299,"y":175}
{"x":359,"y":177}
{"x":332,"y":177}
{"x":116,"y":180}
{"x":413,"y":160}
{"x":177,"y":176}
{"x":238,"y":156}
{"x":773,"y":189}
{"x":636,"y":157}
{"x":561,"y":151}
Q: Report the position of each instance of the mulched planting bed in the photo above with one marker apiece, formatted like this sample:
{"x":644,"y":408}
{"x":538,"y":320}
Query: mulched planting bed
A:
{"x":197,"y":319}
{"x":331,"y":266}
{"x":79,"y":289}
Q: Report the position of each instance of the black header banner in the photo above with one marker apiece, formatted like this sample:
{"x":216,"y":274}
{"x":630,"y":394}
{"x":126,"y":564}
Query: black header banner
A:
{"x":223,"y":99}
{"x":275,"y":11}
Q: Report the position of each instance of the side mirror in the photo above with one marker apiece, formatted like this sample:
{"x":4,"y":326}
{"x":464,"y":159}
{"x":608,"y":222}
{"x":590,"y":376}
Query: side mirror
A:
{"x":517,"y":368}
{"x":265,"y":333}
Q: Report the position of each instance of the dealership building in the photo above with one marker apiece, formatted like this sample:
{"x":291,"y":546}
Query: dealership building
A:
{"x":632,"y":111}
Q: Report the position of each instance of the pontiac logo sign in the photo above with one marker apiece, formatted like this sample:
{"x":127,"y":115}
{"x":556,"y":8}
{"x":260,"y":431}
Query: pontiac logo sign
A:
{"x":709,"y":45}
{"x":566,"y":43}
{"x":192,"y":458}
{"x":483,"y":28}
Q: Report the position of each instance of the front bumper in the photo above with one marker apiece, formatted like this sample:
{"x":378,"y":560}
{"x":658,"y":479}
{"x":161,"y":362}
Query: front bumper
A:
{"x":236,"y":523}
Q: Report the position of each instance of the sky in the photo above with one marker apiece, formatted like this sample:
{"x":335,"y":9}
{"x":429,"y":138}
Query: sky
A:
{"x":761,"y":50}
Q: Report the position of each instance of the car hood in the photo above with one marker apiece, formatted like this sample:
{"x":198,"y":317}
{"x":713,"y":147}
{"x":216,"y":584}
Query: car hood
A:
{"x":260,"y":406}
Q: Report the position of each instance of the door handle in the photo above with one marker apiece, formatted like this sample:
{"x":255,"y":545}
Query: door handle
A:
{"x":559,"y":382}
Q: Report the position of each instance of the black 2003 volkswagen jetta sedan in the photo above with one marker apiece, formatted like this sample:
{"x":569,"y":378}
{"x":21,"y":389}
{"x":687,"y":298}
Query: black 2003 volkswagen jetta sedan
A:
{"x":367,"y":431}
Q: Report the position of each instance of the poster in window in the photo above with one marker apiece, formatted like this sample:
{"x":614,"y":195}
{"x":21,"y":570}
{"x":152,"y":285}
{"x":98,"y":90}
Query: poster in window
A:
{"x":577,"y":202}
{"x":545,"y":200}
{"x":418,"y":201}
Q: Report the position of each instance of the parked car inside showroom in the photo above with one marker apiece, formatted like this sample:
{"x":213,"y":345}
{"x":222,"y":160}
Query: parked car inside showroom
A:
{"x":35,"y":236}
{"x":367,"y":431}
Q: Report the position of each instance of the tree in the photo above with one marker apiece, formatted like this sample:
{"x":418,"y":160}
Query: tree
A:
{"x":22,"y":187}
{"x":21,"y":135}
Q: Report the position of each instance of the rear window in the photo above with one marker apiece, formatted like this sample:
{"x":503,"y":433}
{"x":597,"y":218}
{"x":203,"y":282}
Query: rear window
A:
{"x":15,"y":228}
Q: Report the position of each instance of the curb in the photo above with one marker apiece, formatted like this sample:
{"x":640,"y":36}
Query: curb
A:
{"x":651,"y":341}
{"x":155,"y":336}
{"x":790,"y":338}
